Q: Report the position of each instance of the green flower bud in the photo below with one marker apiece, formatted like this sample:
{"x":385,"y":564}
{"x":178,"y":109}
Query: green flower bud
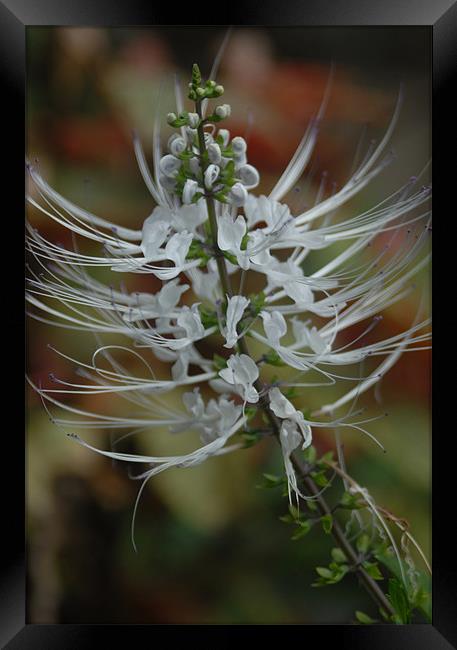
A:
{"x":196,"y":75}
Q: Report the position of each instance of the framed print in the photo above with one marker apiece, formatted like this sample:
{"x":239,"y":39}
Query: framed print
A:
{"x":228,"y":323}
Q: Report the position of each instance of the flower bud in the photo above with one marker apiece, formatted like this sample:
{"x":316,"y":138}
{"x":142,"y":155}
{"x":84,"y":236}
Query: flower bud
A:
{"x":177,"y":145}
{"x":193,"y":120}
{"x":238,"y":195}
{"x":189,"y":191}
{"x":211,"y":84}
{"x":171,"y":117}
{"x":240,"y":160}
{"x":248,"y":175}
{"x":239,"y":145}
{"x":219,"y":90}
{"x":211,"y":175}
{"x":200,"y":92}
{"x":223,"y":111}
{"x":214,"y":153}
{"x":225,"y":135}
{"x":194,"y":166}
{"x":169,"y":165}
{"x":208,"y":138}
{"x":167,"y":182}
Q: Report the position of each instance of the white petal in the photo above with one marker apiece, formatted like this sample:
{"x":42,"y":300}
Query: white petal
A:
{"x":178,"y":247}
{"x":235,"y":309}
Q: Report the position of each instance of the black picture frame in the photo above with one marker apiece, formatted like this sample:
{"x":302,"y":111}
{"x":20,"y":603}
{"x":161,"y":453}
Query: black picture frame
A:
{"x":15,"y":16}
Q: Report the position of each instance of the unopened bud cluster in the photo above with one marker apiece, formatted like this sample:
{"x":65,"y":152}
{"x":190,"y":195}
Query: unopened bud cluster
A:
{"x":206,"y":162}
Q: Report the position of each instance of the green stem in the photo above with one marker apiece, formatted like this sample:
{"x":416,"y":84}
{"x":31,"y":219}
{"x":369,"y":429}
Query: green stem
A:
{"x":220,"y":259}
{"x":299,"y":464}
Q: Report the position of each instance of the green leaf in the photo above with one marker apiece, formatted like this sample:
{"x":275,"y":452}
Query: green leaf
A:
{"x":272,"y":481}
{"x":257,"y":302}
{"x":363,"y":543}
{"x":273,"y":358}
{"x":327,"y":523}
{"x":350,"y":501}
{"x":287,"y":519}
{"x":250,"y":412}
{"x":244,"y":242}
{"x":310,"y":454}
{"x":338,"y":555}
{"x":320,"y":478}
{"x":303,"y":528}
{"x":219,"y":362}
{"x":209,"y":319}
{"x":324,"y":572}
{"x":364,"y":618}
{"x":372,"y":569}
{"x":312,"y":505}
{"x":399,"y":599}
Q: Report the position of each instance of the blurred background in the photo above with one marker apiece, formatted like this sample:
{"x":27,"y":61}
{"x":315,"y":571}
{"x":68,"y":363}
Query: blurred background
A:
{"x":211,"y":546}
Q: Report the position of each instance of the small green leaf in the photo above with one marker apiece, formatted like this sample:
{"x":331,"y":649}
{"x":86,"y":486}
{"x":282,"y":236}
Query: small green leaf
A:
{"x":303,"y":528}
{"x":257,"y":301}
{"x":324,"y":572}
{"x":364,"y":618}
{"x":287,"y":519}
{"x":372,"y":569}
{"x":273,"y":358}
{"x":327,"y":523}
{"x":272,"y":481}
{"x":320,"y":478}
{"x":310,"y":454}
{"x":338,"y":555}
{"x":399,"y":599}
{"x":219,"y":362}
{"x":363,"y":543}
{"x":312,"y":505}
{"x":326,"y":458}
{"x":350,"y":501}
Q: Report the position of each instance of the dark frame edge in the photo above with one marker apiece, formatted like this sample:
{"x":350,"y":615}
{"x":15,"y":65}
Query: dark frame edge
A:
{"x":12,"y":594}
{"x":13,"y":583}
{"x":444,"y":44}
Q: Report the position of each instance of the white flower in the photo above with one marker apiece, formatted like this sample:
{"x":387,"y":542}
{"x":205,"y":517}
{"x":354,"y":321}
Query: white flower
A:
{"x":213,"y":419}
{"x":193,"y":120}
{"x":223,"y":111}
{"x":160,"y":304}
{"x":189,"y":319}
{"x":295,"y":431}
{"x":205,"y":285}
{"x":242,"y":372}
{"x":177,"y":145}
{"x":248,"y":175}
{"x":189,"y":191}
{"x":237,"y":195}
{"x":260,"y":208}
{"x":275,"y":326}
{"x":214,"y":153}
{"x":211,"y":176}
{"x":155,"y":232}
{"x":311,"y":337}
{"x":230,"y":233}
{"x":177,"y":247}
{"x":235,"y":310}
{"x":239,"y":145}
{"x":225,"y":135}
{"x":169,"y":165}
